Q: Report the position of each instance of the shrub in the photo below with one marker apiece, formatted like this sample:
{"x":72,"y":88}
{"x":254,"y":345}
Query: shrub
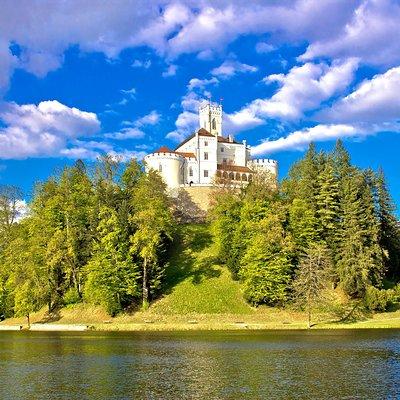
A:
{"x":380,"y":299}
{"x":71,"y":296}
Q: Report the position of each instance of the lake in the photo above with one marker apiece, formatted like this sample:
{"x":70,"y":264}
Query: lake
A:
{"x":342,"y":364}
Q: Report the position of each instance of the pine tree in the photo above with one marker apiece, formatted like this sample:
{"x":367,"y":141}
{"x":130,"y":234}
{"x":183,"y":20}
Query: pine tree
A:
{"x":389,"y":229}
{"x":327,"y":201}
{"x":359,"y":262}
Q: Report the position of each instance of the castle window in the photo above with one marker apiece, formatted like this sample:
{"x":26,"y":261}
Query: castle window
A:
{"x":205,"y":173}
{"x":214,"y":124}
{"x":159,"y":167}
{"x":205,"y":143}
{"x":222,"y":149}
{"x":190,"y":171}
{"x":224,"y":160}
{"x":205,"y":155}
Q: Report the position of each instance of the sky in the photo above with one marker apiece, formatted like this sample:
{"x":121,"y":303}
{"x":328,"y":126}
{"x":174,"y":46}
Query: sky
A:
{"x":82,"y":78}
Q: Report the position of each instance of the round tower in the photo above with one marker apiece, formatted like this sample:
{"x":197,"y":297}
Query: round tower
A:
{"x":264,"y":164}
{"x":169,"y":165}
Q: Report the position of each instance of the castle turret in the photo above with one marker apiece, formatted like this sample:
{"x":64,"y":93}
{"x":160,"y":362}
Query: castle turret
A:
{"x":210,"y":117}
{"x":169,"y":165}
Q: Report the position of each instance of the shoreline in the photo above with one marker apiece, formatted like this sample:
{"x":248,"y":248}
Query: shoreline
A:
{"x":193,"y":327}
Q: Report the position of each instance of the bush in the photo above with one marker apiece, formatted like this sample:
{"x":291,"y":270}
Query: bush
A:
{"x":71,"y":296}
{"x":380,"y":299}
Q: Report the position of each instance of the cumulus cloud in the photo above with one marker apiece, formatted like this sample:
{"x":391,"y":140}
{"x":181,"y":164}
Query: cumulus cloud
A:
{"x":42,"y":130}
{"x":43,"y":30}
{"x":125,"y":134}
{"x":302,"y":89}
{"x":201,"y":83}
{"x":262,"y":48}
{"x":230,"y":68}
{"x":372,"y":34}
{"x":374,"y":101}
{"x":170,"y":71}
{"x":141,"y":64}
{"x":134,"y":129}
{"x":300,"y":139}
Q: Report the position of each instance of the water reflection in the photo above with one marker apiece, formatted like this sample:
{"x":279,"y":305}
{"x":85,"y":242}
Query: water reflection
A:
{"x":200,"y":365}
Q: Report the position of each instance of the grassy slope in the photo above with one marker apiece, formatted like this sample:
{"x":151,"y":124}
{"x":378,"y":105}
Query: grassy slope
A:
{"x":195,"y":281}
{"x":200,"y":294}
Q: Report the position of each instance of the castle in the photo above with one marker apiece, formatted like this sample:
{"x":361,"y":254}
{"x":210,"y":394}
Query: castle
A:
{"x":207,"y":154}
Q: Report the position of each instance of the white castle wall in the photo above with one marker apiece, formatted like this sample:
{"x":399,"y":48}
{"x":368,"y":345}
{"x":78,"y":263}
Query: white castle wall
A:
{"x":172,"y":167}
{"x":264,"y":164}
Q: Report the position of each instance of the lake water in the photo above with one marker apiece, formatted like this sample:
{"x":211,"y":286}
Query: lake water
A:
{"x":341,"y":364}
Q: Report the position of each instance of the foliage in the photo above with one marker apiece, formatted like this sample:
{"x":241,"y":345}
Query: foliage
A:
{"x":312,"y":276}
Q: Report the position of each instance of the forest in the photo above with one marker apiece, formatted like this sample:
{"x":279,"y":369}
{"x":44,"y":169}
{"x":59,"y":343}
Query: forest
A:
{"x":102,"y":234}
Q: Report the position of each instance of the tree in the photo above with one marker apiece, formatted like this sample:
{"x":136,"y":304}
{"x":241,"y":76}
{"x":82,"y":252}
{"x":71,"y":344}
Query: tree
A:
{"x":327,"y":201}
{"x":266,"y":265}
{"x":389,"y":229}
{"x":359,"y":257}
{"x":112,"y":274}
{"x":311,"y":277}
{"x":153,"y":221}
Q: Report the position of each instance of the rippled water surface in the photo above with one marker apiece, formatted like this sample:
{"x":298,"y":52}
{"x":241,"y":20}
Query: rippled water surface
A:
{"x":201,"y":365}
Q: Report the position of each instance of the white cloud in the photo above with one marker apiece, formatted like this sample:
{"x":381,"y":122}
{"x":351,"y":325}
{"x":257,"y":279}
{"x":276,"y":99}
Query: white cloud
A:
{"x":372,"y":34}
{"x":302,"y":89}
{"x":125,"y":134}
{"x":141,"y":64}
{"x":152,"y":118}
{"x":42,"y":130}
{"x":43,"y":30}
{"x":196,"y":83}
{"x":374,"y":101}
{"x":130,"y":93}
{"x":133,"y":129}
{"x":300,"y":139}
{"x":170,"y":71}
{"x":262,"y":48}
{"x":230,"y":68}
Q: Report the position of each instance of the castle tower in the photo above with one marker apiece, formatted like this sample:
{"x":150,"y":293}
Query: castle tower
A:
{"x":210,"y":117}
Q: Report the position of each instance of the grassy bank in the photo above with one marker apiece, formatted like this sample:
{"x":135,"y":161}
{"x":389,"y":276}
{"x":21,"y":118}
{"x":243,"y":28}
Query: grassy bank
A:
{"x":200,"y":294}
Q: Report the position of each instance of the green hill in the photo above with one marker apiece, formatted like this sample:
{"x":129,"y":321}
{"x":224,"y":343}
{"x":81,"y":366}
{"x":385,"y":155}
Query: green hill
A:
{"x":195,"y":282}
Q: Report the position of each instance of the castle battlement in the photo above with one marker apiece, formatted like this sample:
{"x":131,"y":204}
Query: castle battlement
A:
{"x":263,"y":161}
{"x":166,"y":155}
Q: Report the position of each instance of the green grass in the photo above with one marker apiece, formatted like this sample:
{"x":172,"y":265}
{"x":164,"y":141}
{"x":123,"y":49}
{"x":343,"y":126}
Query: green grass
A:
{"x":195,"y":282}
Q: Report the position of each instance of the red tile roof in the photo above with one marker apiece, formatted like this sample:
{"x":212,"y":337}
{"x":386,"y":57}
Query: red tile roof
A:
{"x":163,"y":149}
{"x":187,"y":155}
{"x":203,"y":132}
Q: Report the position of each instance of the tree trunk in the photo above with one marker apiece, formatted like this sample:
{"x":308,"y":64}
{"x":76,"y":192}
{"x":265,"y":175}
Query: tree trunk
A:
{"x":29,"y":321}
{"x":145,"y":285}
{"x":309,"y":316}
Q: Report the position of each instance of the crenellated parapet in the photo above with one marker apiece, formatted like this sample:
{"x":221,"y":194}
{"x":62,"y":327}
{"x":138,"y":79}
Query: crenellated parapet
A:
{"x":264,"y":164}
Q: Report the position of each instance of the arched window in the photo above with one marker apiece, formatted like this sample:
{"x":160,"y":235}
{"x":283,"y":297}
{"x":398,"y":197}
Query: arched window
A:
{"x":160,"y":167}
{"x":237,"y":176}
{"x":244,"y":177}
{"x":190,"y":171}
{"x":231,"y":175}
{"x":213,"y":124}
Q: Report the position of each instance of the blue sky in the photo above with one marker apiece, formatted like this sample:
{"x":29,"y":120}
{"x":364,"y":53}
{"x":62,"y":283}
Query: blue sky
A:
{"x":80,"y":78}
